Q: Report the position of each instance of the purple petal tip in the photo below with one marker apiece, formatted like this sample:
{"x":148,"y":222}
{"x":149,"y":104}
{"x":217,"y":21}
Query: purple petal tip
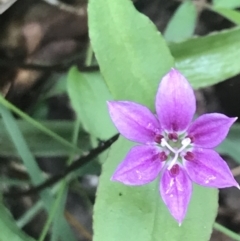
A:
{"x":235,"y":184}
{"x":209,"y":169}
{"x":109,"y":102}
{"x":176,"y":193}
{"x":175,"y":102}
{"x":113,"y":179}
{"x":134,"y":121}
{"x":209,"y":130}
{"x":234,"y":119}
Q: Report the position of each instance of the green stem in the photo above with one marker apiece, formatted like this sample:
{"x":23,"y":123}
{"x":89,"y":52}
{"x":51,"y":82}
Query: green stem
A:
{"x":31,"y":213}
{"x":74,"y":139}
{"x":63,"y":186}
{"x":226,"y":231}
{"x":52,"y":213}
{"x":36,"y":124}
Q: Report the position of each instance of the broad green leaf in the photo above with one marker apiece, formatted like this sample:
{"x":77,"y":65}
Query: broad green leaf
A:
{"x":182,"y":24}
{"x":232,"y":15}
{"x":138,"y":213}
{"x":39,"y":143}
{"x":226,"y":3}
{"x":133,"y":57}
{"x":209,"y":60}
{"x":9,"y":229}
{"x":89,"y":94}
{"x":132,"y":54}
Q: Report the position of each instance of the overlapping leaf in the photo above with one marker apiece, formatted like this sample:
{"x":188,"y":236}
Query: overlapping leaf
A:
{"x":89,"y":94}
{"x":209,"y":60}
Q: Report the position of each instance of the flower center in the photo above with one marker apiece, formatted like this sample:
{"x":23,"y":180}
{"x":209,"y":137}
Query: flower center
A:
{"x":174,"y":144}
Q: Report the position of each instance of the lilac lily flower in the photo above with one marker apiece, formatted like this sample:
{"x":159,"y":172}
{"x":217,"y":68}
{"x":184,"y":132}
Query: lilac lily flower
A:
{"x":171,"y":146}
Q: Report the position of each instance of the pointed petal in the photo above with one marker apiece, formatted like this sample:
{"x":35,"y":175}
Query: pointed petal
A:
{"x":176,"y":192}
{"x":209,"y":130}
{"x":141,"y":165}
{"x":134,"y":121}
{"x":207,"y":168}
{"x":175,"y":102}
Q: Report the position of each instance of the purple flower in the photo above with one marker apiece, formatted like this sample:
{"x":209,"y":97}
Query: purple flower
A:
{"x":171,"y":146}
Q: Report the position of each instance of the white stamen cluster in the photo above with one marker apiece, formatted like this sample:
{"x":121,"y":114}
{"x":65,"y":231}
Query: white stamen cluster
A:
{"x":185,"y":143}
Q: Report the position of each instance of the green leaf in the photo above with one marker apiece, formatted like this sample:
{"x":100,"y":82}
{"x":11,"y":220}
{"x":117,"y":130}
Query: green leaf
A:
{"x":89,"y":94}
{"x":226,"y":3}
{"x":133,"y":57}
{"x":132,"y":54}
{"x":208,"y":60}
{"x":230,"y":146}
{"x":182,"y":25}
{"x":138,"y":213}
{"x":204,"y":60}
{"x":232,"y":15}
{"x":39,"y":143}
{"x":9,"y":230}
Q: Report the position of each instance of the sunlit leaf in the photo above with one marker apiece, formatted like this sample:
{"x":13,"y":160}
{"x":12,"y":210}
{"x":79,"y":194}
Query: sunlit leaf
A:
{"x":133,"y":57}
{"x":209,"y":60}
{"x":132,"y":54}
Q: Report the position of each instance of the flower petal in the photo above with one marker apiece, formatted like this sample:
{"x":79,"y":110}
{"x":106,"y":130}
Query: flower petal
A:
{"x":205,"y":167}
{"x":134,"y":121}
{"x":209,"y":130}
{"x":141,"y":165}
{"x":175,"y":102}
{"x":176,"y":192}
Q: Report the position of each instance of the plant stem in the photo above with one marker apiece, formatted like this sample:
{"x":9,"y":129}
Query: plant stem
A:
{"x":226,"y":231}
{"x":38,"y":125}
